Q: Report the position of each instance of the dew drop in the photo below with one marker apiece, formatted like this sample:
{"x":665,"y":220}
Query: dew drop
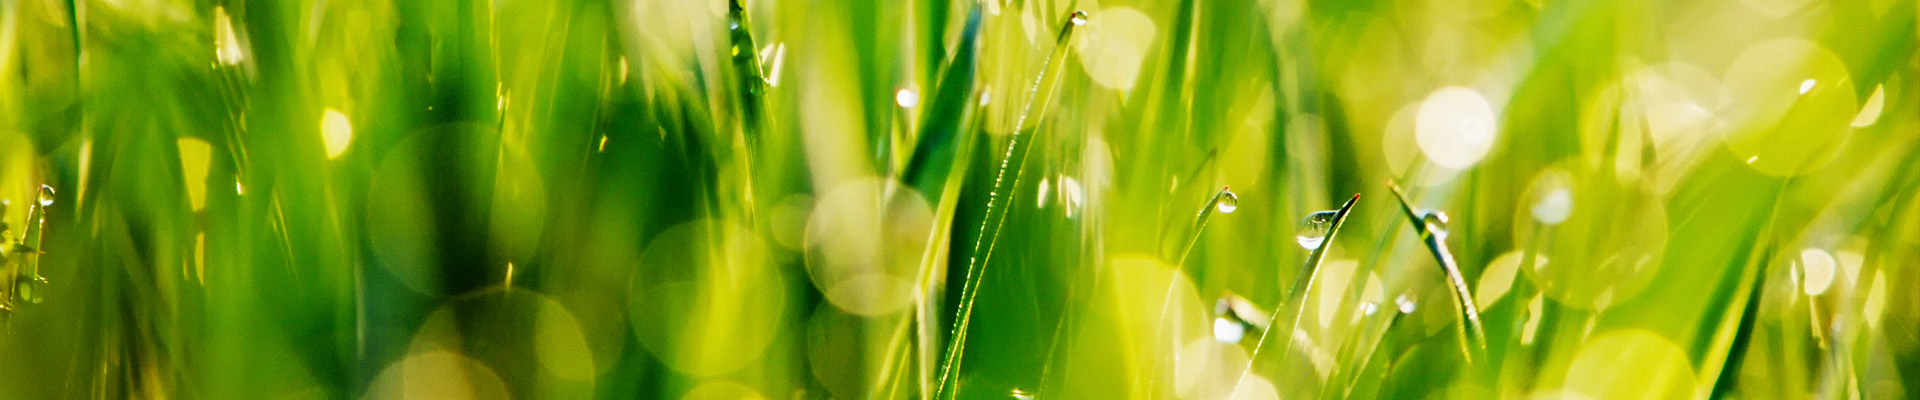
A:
{"x":1406,"y":303}
{"x":46,"y":195}
{"x":1227,"y":202}
{"x":1368,"y":308}
{"x":1436,"y":223}
{"x":1079,"y":18}
{"x":1313,"y":230}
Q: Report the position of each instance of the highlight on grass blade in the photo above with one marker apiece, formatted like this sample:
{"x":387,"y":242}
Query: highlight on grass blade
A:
{"x":1300,"y":286}
{"x":1001,"y":198}
{"x":1431,"y":225}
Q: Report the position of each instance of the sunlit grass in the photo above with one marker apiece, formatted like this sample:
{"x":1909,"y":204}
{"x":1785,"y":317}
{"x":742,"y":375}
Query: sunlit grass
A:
{"x":959,"y":199}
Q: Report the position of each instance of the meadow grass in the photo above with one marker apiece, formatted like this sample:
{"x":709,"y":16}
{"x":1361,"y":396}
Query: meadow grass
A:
{"x":959,"y":199}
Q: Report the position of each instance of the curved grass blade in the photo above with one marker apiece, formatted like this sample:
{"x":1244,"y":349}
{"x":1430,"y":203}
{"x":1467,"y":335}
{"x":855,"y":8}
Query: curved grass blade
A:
{"x":1432,"y":229}
{"x":998,"y":200}
{"x":933,"y":150}
{"x":1312,"y":266}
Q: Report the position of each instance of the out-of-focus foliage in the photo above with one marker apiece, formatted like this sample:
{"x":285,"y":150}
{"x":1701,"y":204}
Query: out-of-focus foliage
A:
{"x":700,"y":199}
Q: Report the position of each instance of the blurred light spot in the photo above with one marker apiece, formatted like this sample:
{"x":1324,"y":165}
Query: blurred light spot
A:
{"x":437,"y":375}
{"x":1819,"y":271}
{"x":1228,"y":331}
{"x":195,"y":155}
{"x":1551,"y":196}
{"x":1113,"y":45}
{"x":519,"y":205}
{"x":337,"y":130}
{"x":722,"y":390}
{"x":623,"y":70}
{"x":864,"y":244}
{"x":1779,"y":8}
{"x":1497,"y":278}
{"x":1021,"y":395}
{"x":789,"y":221}
{"x":1071,"y":194}
{"x":1255,"y":387}
{"x":1336,"y":277}
{"x":1554,"y":208}
{"x":844,"y":349}
{"x":1659,"y":369}
{"x":1792,"y":106}
{"x":1532,"y":326}
{"x":1401,"y":148}
{"x":1876,"y":304}
{"x":227,"y":47}
{"x":1622,"y":234}
{"x":706,"y":300}
{"x":1455,"y":127}
{"x":1042,"y":195}
{"x":1870,"y":112}
{"x":906,"y":98}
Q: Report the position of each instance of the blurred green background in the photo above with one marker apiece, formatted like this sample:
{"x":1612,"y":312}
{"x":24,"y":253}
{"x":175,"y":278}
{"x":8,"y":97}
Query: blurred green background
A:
{"x":714,"y":199}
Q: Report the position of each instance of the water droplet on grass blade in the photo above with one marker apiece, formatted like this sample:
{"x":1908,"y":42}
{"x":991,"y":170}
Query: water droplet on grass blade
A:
{"x":1227,"y":202}
{"x":1079,"y":17}
{"x":1406,"y":303}
{"x":1436,"y":222}
{"x":46,"y":195}
{"x":1313,"y":230}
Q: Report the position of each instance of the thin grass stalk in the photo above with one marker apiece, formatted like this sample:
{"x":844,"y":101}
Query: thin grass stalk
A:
{"x":1473,"y":338}
{"x":1039,"y":98}
{"x":1314,"y":259}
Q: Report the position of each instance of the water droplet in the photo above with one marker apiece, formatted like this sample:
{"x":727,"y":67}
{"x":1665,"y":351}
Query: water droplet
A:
{"x":1227,"y":202}
{"x":1313,"y":230}
{"x":1368,"y":308}
{"x":1227,"y":330}
{"x":1079,"y":18}
{"x":1436,"y":222}
{"x":1406,"y":303}
{"x":46,"y":195}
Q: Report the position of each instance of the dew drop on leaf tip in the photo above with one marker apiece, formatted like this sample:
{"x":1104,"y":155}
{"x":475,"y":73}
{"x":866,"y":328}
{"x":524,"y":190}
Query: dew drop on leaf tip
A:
{"x":1227,"y":202}
{"x":1313,"y":230}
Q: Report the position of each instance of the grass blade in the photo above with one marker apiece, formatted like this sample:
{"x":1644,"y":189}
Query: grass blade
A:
{"x":1314,"y":260}
{"x":1039,"y":98}
{"x":1431,"y":226}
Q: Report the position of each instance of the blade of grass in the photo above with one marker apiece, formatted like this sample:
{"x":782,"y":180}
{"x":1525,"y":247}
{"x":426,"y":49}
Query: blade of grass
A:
{"x":1314,"y":260}
{"x":1039,"y":98}
{"x":934,"y":147}
{"x":1473,"y":340}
